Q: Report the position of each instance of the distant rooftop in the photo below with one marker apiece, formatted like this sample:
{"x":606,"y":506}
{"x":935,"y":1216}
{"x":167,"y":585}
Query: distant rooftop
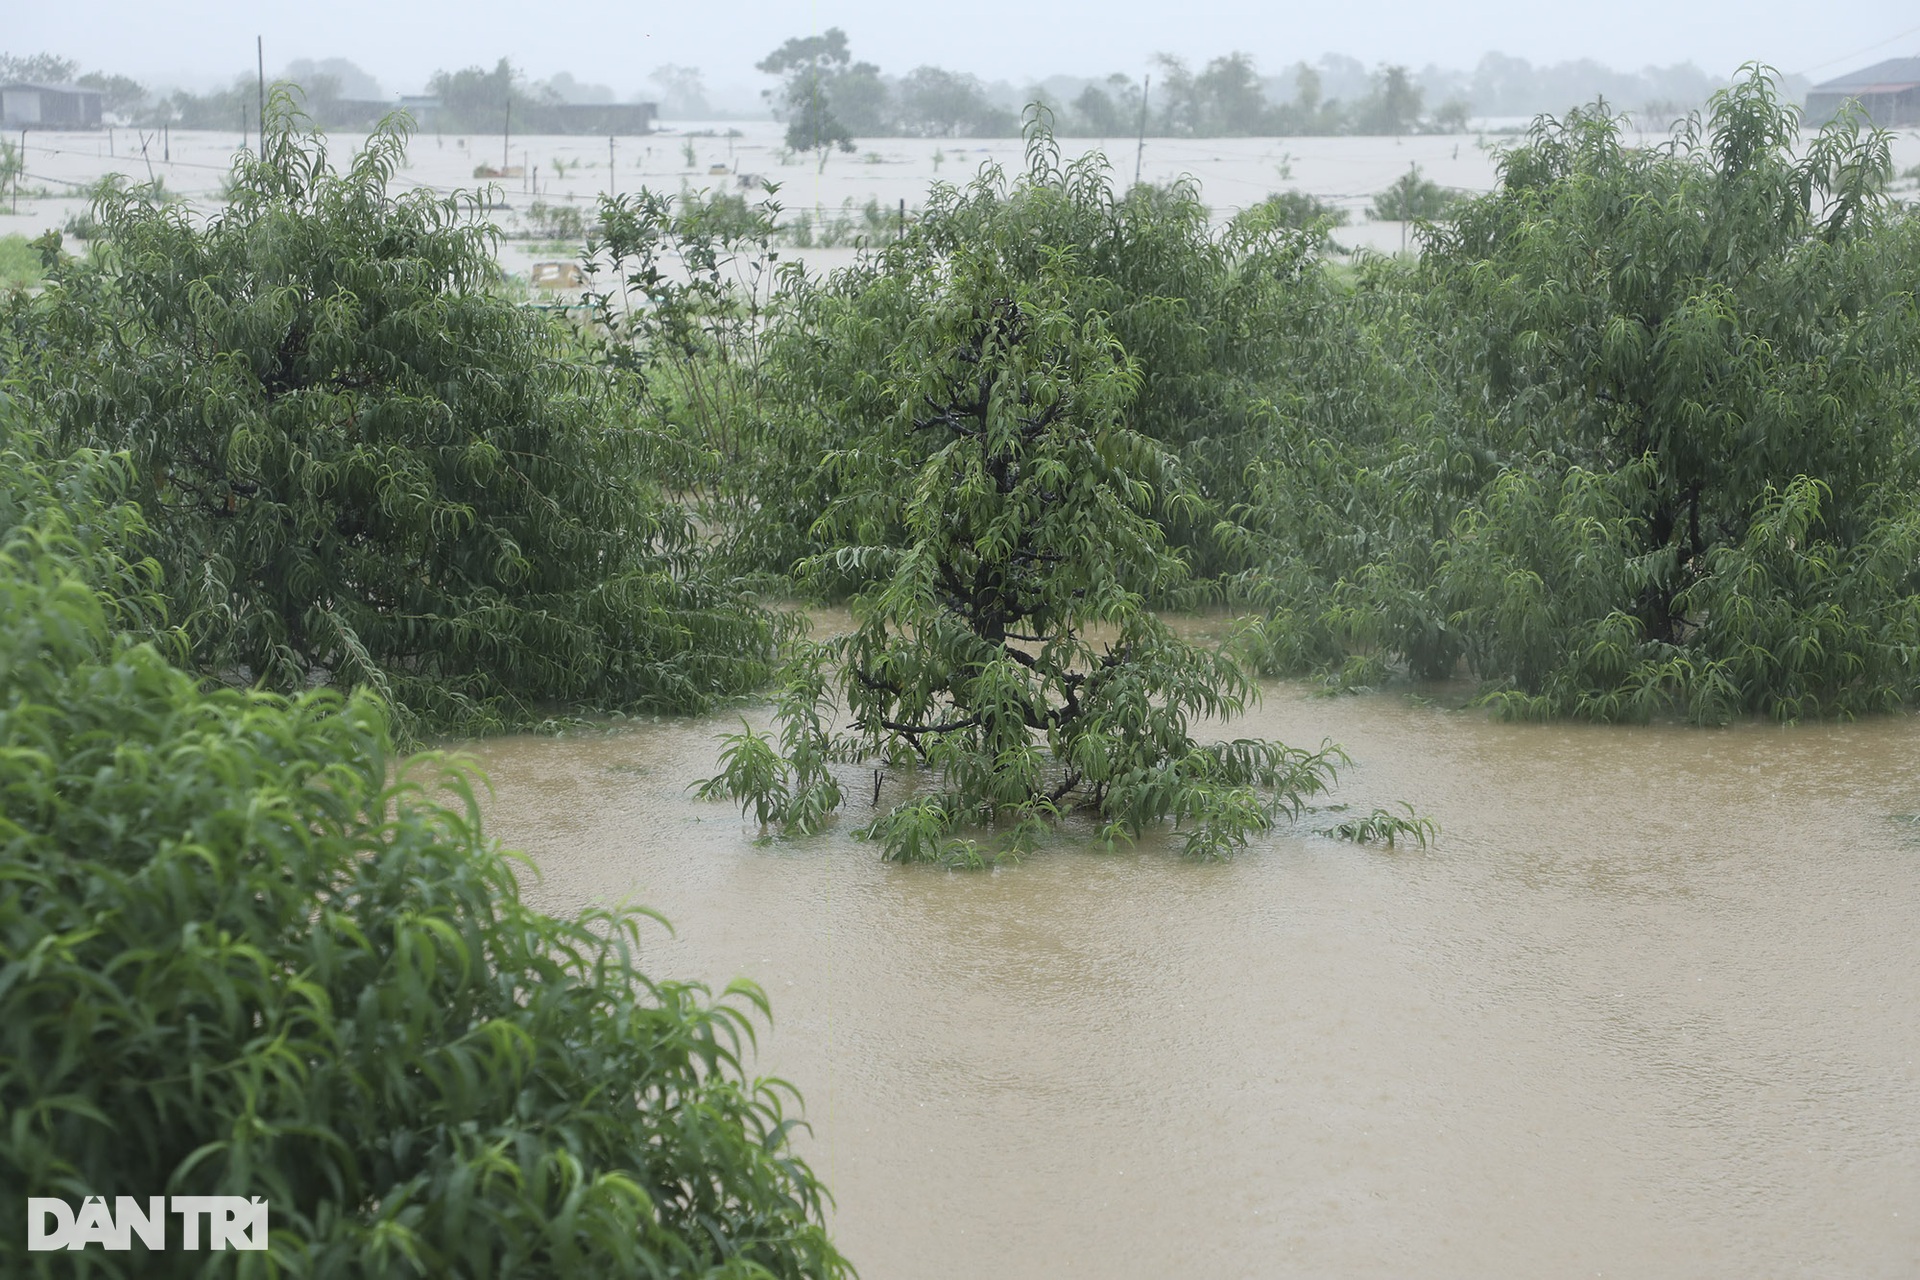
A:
{"x":1891,"y":76}
{"x":48,"y":88}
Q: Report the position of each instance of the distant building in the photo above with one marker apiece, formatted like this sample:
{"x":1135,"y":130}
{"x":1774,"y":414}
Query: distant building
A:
{"x":48,"y":106}
{"x":621,"y":118}
{"x":1889,"y":92}
{"x":361,"y":113}
{"x":423,"y":107}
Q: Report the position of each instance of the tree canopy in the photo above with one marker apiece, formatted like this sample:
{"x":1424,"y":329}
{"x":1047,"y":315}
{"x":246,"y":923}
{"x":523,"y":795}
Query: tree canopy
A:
{"x":1670,"y":463}
{"x":362,"y":463}
{"x":811,"y":69}
{"x":249,"y":951}
{"x":1000,"y":513}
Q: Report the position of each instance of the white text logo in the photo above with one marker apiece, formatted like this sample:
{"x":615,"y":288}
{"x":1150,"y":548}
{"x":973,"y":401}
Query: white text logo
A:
{"x":233,"y":1222}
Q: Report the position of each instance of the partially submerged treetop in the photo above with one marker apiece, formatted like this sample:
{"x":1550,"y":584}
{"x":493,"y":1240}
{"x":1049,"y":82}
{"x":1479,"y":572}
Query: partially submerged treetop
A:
{"x":1005,"y":655}
{"x":1696,"y":361}
{"x":807,"y":66}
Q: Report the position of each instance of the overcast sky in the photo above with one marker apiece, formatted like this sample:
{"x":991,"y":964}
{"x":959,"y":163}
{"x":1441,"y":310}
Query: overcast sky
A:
{"x":401,"y":42}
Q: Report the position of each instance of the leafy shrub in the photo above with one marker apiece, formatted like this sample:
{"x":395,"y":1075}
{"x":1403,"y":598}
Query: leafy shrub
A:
{"x":1384,"y":826}
{"x":555,"y":221}
{"x":728,"y":214}
{"x":244,"y":951}
{"x":681,"y":290}
{"x":1207,"y":312}
{"x":1668,"y":457}
{"x":1352,"y":488}
{"x":1713,"y":327}
{"x":1299,"y":210}
{"x":21,"y":265}
{"x":361,"y":463}
{"x":82,"y":225}
{"x":1413,"y":198}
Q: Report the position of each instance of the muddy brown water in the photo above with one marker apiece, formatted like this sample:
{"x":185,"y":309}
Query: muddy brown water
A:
{"x":1650,"y":1008}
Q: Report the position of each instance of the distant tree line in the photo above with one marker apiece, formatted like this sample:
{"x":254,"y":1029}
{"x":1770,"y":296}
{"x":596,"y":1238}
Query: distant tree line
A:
{"x":1340,"y":94}
{"x":475,"y":99}
{"x":119,"y":93}
{"x":828,"y":98}
{"x":827,"y":95}
{"x":334,"y":92}
{"x":325,"y":84}
{"x":831,"y":93}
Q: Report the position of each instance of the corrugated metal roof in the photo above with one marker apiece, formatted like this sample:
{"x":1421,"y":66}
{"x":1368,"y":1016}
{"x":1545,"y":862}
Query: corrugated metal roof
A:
{"x":1890,"y":76}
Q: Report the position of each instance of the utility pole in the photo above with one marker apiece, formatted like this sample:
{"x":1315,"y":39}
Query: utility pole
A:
{"x":613,"y":188}
{"x":506,"y":135}
{"x":1141,"y":150}
{"x":260,"y":54}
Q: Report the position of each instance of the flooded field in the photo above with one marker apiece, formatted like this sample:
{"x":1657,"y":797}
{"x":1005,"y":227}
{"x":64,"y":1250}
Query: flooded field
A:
{"x":1646,"y":1010}
{"x":1232,"y":172}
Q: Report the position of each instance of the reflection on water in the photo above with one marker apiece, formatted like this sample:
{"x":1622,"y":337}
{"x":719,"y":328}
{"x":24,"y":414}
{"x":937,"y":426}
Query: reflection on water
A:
{"x":1647,"y":1010}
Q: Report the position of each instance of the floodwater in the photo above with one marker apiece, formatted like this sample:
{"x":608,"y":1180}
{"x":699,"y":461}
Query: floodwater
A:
{"x":1232,"y":173}
{"x":1647,"y":1009}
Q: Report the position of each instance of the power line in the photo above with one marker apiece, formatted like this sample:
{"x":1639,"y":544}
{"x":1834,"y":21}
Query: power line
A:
{"x":1878,"y":44}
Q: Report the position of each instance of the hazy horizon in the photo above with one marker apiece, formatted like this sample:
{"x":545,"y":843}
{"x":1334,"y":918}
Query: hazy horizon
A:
{"x":203,"y":43}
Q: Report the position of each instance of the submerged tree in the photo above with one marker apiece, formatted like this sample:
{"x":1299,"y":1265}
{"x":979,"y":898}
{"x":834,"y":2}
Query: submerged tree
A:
{"x":935,"y":103}
{"x":808,"y":67}
{"x":1005,"y":656}
{"x":361,"y":461}
{"x":1673,"y":447}
{"x":1392,"y":106}
{"x":684,"y":290}
{"x":1412,"y":198}
{"x":1704,"y":356}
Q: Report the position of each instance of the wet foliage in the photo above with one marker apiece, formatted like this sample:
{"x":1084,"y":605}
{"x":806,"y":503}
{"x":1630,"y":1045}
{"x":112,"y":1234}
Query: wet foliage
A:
{"x":1633,"y":436}
{"x":362,"y":464}
{"x":1000,"y":521}
{"x":245,"y":949}
{"x":1665,"y":459}
{"x":1208,"y":312}
{"x":958,"y":435}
